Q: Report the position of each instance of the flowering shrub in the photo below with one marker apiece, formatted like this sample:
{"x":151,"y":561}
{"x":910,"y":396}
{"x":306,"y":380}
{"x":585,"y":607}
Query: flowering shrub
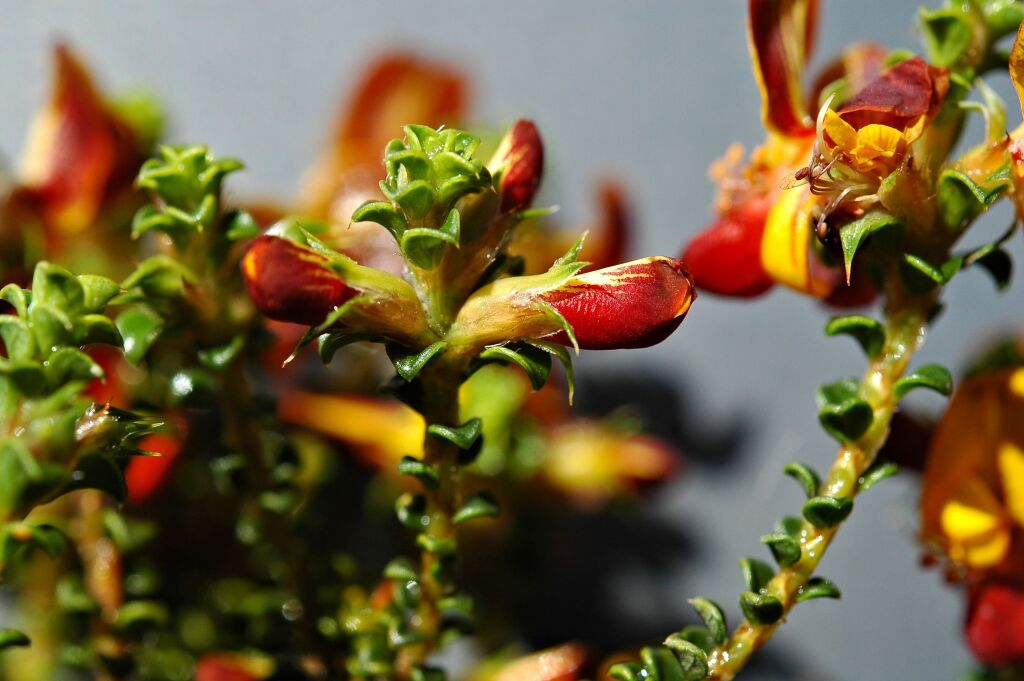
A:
{"x":208,"y":498}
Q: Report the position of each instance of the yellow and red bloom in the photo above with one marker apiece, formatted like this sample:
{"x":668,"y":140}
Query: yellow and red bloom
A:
{"x":80,"y":152}
{"x":774,"y":210}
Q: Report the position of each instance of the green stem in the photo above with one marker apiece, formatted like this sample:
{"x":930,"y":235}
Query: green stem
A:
{"x":906,"y":320}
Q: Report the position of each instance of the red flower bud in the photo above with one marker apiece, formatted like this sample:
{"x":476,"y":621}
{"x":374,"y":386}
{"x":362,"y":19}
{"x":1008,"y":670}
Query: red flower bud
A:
{"x":290,"y":283}
{"x":725,"y":258}
{"x":520,"y":158}
{"x":223,"y":667}
{"x":995,"y":623}
{"x":632,"y":305}
{"x":147,"y":475}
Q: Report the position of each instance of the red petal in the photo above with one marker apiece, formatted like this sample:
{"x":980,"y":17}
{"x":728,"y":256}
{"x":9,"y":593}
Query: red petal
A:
{"x":146,"y":475}
{"x":290,"y":283}
{"x":995,"y":623}
{"x":725,"y":259}
{"x":899,"y":96}
{"x":522,"y":157}
{"x":633,"y":305}
{"x":782,"y":35}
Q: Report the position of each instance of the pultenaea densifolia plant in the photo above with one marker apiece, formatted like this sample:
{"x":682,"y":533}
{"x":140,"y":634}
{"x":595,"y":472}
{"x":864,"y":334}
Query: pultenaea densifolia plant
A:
{"x":864,"y":200}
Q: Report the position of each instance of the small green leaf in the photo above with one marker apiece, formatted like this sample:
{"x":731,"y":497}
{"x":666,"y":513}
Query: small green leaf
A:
{"x":662,"y":664}
{"x":96,"y":328}
{"x":818,"y":587}
{"x":401,"y":568}
{"x":140,"y":615}
{"x":383,"y":214}
{"x":999,"y":265}
{"x":692,"y":659}
{"x":96,"y":470}
{"x":139,"y":327}
{"x":854,"y":235}
{"x":221,"y":356}
{"x":865,"y":330}
{"x":409,"y":366}
{"x":422,"y":471}
{"x":480,"y":505}
{"x":53,"y":285}
{"x":713,"y":618}
{"x":535,"y":362}
{"x":561,"y":353}
{"x":947,"y":35}
{"x":17,"y":337}
{"x":825,"y":512}
{"x":463,"y":437}
{"x":791,"y":525}
{"x":12,"y":638}
{"x":804,"y":475}
{"x":846,"y":421}
{"x":329,"y":343}
{"x":17,"y":297}
{"x":435,"y":545}
{"x":919,"y":275}
{"x":159,"y":276}
{"x":698,"y":636}
{"x":240,"y":225}
{"x":416,"y":199}
{"x":71,"y":364}
{"x":756,"y":573}
{"x":72,"y":596}
{"x":424,"y":247}
{"x":51,"y":327}
{"x":628,"y":671}
{"x":784,"y":548}
{"x":97,"y":291}
{"x":961,"y":199}
{"x":932,"y":376}
{"x":411,"y":510}
{"x":877,"y":473}
{"x":761,"y":608}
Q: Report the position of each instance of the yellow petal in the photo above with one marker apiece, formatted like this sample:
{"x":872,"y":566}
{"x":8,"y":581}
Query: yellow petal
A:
{"x":985,"y":551}
{"x":786,"y":245}
{"x":1011,"y":468}
{"x":842,"y":134}
{"x":972,"y":511}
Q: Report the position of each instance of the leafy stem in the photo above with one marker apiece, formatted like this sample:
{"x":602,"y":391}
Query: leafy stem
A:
{"x":906,"y":321}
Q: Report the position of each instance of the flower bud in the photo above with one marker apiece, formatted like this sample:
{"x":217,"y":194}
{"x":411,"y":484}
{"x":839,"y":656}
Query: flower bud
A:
{"x":290,"y":283}
{"x":520,"y":160}
{"x":632,"y":305}
{"x":725,"y":258}
{"x":232,"y":667}
{"x":995,"y":623}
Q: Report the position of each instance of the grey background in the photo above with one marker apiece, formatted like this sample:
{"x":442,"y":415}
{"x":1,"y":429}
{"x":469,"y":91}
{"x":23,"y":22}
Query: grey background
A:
{"x":652,"y":91}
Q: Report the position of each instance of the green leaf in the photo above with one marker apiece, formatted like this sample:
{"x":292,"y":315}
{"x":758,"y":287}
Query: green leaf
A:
{"x":415,"y":199}
{"x":865,"y":330}
{"x":480,"y":505}
{"x":402,"y":569}
{"x":756,"y":573}
{"x":53,"y":285}
{"x":96,"y":328}
{"x":876,"y":474}
{"x":12,"y":638}
{"x":661,"y":664}
{"x":698,"y":636}
{"x":17,"y":297}
{"x":463,"y":437}
{"x":72,"y":596}
{"x":791,"y":525}
{"x":947,"y":35}
{"x":761,"y":608}
{"x":854,"y":235}
{"x":51,"y":327}
{"x":17,"y":338}
{"x":825,"y":512}
{"x":804,"y":475}
{"x":221,"y":356}
{"x":329,"y":343}
{"x":561,"y":353}
{"x":71,"y":364}
{"x":628,"y":671}
{"x":784,"y":548}
{"x":961,"y":199}
{"x":932,"y":376}
{"x":139,"y":327}
{"x":999,"y":265}
{"x":384,"y":214}
{"x":22,"y":536}
{"x":841,"y":412}
{"x":439,"y":546}
{"x":409,"y":366}
{"x":96,"y":470}
{"x":240,"y":225}
{"x":422,"y":471}
{"x":919,"y":275}
{"x":713,"y":618}
{"x":533,"y":360}
{"x":692,"y":659}
{"x":23,"y":480}
{"x":411,"y":511}
{"x":424,"y":247}
{"x":27,"y":377}
{"x":817,"y":587}
{"x":141,"y":615}
{"x":159,"y":276}
{"x":97,"y":291}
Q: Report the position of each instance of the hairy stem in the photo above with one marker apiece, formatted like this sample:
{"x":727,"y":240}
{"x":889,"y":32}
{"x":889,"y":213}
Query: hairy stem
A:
{"x":906,"y":320}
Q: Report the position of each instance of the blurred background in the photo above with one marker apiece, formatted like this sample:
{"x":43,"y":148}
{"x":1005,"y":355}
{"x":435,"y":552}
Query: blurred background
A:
{"x":650,"y":93}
